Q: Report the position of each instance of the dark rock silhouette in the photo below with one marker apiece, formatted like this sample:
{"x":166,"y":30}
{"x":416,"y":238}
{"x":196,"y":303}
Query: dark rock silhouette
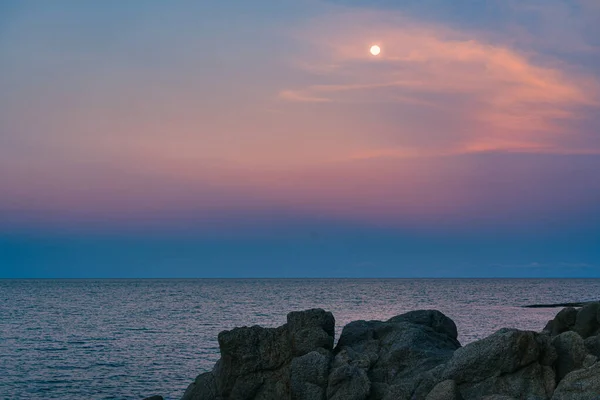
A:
{"x":556,"y":305}
{"x":585,"y":321}
{"x":571,"y":353}
{"x":271,"y":363}
{"x":412,"y":356}
{"x":582,"y":384}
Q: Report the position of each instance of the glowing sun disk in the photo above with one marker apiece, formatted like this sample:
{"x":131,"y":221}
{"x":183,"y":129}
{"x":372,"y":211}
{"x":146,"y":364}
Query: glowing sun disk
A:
{"x":375,"y":50}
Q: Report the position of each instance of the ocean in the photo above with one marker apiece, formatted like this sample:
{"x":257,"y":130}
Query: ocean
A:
{"x":128,"y":339}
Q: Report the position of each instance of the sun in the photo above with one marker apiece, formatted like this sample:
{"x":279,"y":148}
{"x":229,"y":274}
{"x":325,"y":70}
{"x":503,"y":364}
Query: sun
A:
{"x":375,"y":50}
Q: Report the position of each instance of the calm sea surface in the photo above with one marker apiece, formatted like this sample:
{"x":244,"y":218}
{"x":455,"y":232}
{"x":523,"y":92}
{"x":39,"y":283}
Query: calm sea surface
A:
{"x":127,"y":339}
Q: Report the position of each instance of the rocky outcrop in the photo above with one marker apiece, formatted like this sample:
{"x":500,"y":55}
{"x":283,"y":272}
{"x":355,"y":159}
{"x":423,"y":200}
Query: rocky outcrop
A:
{"x":391,"y":356}
{"x":259,"y":363}
{"x":583,"y":384}
{"x":585,"y":321}
{"x":413,"y":356}
{"x":510,"y":362}
{"x":571,"y":353}
{"x":564,"y":321}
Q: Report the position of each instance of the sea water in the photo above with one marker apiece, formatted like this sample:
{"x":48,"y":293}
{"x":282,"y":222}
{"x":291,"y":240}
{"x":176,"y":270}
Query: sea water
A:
{"x":128,"y":339}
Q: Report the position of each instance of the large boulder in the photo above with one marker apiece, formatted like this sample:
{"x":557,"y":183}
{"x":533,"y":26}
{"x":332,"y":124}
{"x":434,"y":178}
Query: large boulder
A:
{"x":258,"y":363}
{"x":348,"y":382}
{"x":564,"y":321}
{"x":582,"y":384}
{"x":310,"y":330}
{"x":309,"y":376}
{"x":204,"y":387}
{"x":571,"y":353}
{"x":587,"y":323}
{"x":533,"y":382}
{"x":393,"y":356}
{"x":510,"y":362}
{"x":253,"y":362}
{"x":430,"y":318}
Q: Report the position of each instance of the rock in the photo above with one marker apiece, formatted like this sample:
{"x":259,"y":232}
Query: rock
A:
{"x":533,"y":382}
{"x":154,"y":398}
{"x":251,"y":361}
{"x":445,"y":390}
{"x":592,"y":345}
{"x":431,"y":318}
{"x":394,"y":355}
{"x":204,"y":387}
{"x":291,"y":361}
{"x":548,"y":354}
{"x":582,"y":384}
{"x":589,"y":360}
{"x":309,"y":376}
{"x":348,"y":382}
{"x":586,"y":323}
{"x":411,"y":356}
{"x":503,"y":352}
{"x":509,"y":362}
{"x":564,"y":321}
{"x":310,"y":330}
{"x":571,"y":353}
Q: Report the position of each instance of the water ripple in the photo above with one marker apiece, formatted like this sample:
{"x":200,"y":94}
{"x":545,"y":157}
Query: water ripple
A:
{"x":127,"y":339}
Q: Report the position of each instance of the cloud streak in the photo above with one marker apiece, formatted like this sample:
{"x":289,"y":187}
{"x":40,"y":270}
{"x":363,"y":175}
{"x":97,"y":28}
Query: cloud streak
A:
{"x":498,"y":98}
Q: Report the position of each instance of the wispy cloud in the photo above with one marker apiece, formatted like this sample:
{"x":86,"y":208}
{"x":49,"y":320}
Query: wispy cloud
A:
{"x":496,"y":97}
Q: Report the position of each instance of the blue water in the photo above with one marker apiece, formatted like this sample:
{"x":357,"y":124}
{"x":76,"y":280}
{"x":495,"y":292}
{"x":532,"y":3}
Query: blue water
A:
{"x":127,"y":339}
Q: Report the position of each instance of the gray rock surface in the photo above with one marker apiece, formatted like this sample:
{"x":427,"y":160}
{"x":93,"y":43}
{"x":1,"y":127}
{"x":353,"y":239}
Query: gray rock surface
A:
{"x":310,"y":330}
{"x":309,"y":376}
{"x":253,"y":362}
{"x":204,"y":387}
{"x":564,"y":321}
{"x":348,"y":382}
{"x":571,"y":352}
{"x":445,"y":390}
{"x":583,"y":384}
{"x":592,"y":345}
{"x":430,"y":318}
{"x":587,"y":323}
{"x":394,"y":355}
{"x":588,"y":361}
{"x":257,"y":363}
{"x":502,"y":353}
{"x":510,"y":362}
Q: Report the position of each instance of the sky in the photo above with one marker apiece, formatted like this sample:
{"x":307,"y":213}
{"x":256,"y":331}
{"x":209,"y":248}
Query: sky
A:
{"x":262,"y":139}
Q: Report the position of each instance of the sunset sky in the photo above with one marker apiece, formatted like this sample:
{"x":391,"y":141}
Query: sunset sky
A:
{"x":261,"y":138}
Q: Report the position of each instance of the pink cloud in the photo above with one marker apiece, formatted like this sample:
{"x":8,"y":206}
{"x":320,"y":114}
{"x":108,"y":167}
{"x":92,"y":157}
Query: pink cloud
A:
{"x":502,"y":99}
